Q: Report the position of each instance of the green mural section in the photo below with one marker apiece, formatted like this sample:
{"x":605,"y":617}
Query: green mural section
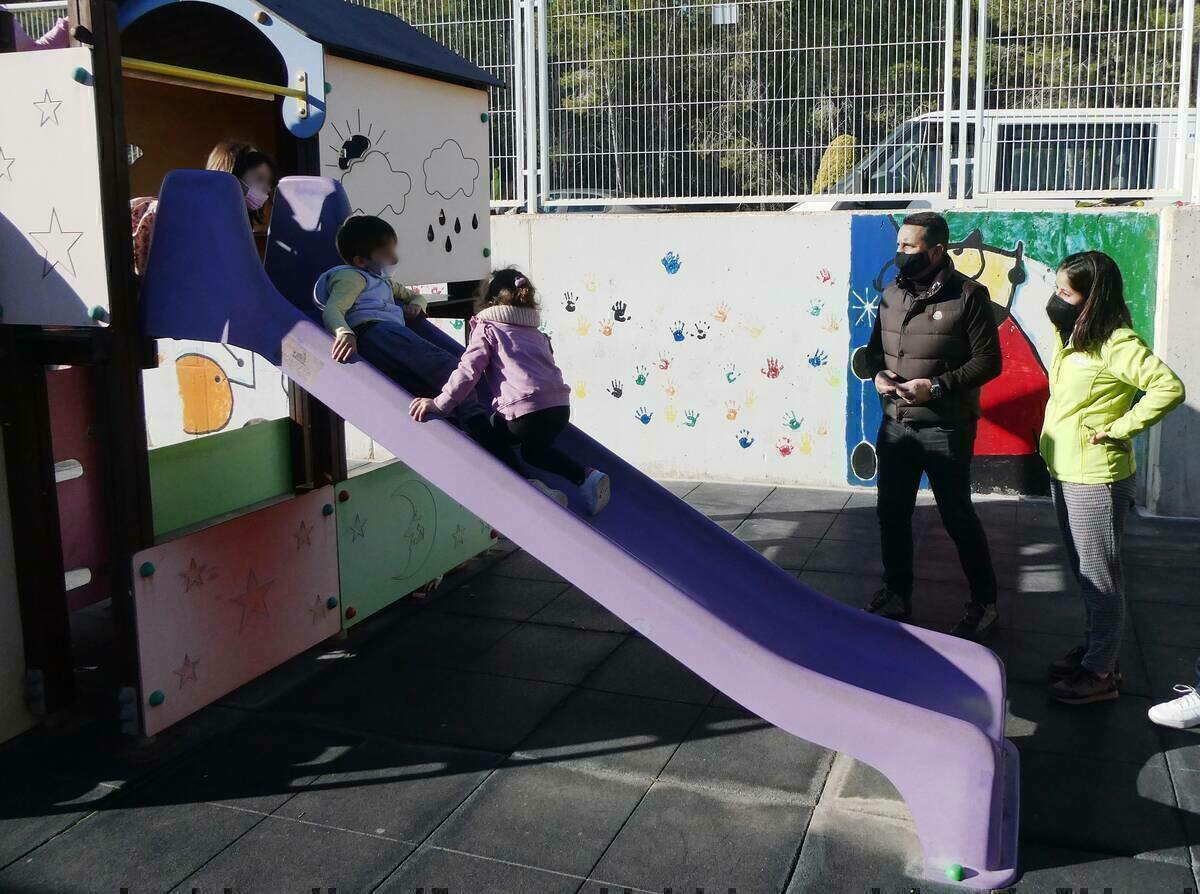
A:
{"x":1129,"y":238}
{"x":207,"y":477}
{"x":397,"y":532}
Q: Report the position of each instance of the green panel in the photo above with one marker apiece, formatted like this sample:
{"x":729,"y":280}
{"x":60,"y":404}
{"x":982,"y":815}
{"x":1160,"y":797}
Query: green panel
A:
{"x":212,"y":476}
{"x":397,"y":532}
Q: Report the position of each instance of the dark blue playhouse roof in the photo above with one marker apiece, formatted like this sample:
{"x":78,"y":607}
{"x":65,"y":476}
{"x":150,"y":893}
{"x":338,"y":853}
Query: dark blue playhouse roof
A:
{"x":378,"y":38}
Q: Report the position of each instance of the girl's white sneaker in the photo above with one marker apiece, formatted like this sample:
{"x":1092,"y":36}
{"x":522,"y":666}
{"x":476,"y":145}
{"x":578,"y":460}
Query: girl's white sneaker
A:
{"x":596,"y":489}
{"x":1179,"y":713}
{"x":556,"y":495}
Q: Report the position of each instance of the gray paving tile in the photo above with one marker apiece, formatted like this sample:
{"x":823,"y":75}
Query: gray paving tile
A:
{"x":574,"y":608}
{"x":433,"y":869}
{"x":142,"y":848}
{"x":1178,"y":547}
{"x":728,"y":498}
{"x":846,"y":555}
{"x":281,"y":855}
{"x":1045,"y":613}
{"x":1161,"y":584}
{"x":680,"y":488}
{"x":392,"y":789}
{"x":847,"y":851}
{"x":1103,"y":806}
{"x":1050,"y":870}
{"x":681,"y":839}
{"x":733,"y":750}
{"x":542,"y":815}
{"x":607,"y":731}
{"x":846,"y":587}
{"x":447,"y":706}
{"x":1168,"y":665}
{"x":853,"y":785}
{"x":523,"y":566}
{"x":37,"y":806}
{"x":1116,"y":730}
{"x":552,"y":654}
{"x":1165,"y":624}
{"x":780,"y":525}
{"x":789,"y":553}
{"x":500,"y":597}
{"x":440,"y":638}
{"x":804,"y":499}
{"x":858,"y":525}
{"x":639,"y":667}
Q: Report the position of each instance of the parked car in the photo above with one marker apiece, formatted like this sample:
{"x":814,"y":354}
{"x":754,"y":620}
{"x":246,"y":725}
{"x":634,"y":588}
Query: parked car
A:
{"x":1022,"y":157}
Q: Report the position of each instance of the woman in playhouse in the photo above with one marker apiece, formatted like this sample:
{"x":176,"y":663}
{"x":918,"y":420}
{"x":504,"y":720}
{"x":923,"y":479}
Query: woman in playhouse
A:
{"x":532,"y":401}
{"x":254,"y":169}
{"x":1091,"y":418}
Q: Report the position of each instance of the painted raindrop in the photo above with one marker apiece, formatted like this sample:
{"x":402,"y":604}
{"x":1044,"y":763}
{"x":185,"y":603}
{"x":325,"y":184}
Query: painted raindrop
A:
{"x":429,"y":234}
{"x":457,"y":226}
{"x":448,"y":245}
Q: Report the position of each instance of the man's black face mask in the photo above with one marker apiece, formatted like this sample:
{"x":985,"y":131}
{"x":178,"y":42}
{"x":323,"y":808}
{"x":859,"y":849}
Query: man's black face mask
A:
{"x":912,"y":264}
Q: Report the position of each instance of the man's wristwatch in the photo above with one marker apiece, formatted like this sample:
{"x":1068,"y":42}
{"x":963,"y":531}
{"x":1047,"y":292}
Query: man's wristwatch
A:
{"x":936,"y":390}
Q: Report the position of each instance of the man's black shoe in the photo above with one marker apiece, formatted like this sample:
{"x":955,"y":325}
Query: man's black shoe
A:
{"x":888,"y":604}
{"x":976,"y":623}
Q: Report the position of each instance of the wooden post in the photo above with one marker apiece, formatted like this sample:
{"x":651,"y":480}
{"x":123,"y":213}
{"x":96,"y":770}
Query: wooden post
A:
{"x":120,"y":393}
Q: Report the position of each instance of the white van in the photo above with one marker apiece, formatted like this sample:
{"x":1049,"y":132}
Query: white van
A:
{"x":1037,"y":158}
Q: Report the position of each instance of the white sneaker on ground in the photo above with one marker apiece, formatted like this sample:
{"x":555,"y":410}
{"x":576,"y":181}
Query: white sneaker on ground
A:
{"x":1179,"y":713}
{"x":596,"y":490}
{"x":556,"y":495}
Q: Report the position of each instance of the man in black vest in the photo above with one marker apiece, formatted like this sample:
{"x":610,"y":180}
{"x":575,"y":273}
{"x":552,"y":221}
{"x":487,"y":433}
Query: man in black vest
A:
{"x":934,"y":345}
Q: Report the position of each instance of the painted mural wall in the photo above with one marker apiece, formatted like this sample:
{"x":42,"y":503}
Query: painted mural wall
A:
{"x":724,"y":347}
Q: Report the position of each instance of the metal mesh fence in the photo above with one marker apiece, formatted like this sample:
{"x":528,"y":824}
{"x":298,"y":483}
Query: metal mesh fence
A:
{"x":37,"y":18}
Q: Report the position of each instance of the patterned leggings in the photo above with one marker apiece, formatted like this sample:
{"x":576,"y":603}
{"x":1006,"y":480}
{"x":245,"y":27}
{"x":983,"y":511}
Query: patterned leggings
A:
{"x":1091,"y":518}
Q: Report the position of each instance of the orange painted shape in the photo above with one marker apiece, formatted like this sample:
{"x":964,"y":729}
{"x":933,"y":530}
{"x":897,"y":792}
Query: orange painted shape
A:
{"x":206,"y":393}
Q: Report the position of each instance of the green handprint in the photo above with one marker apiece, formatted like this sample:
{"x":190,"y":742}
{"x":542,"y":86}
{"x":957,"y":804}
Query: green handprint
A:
{"x":792,"y":422}
{"x":640,"y":375}
{"x":690,"y":418}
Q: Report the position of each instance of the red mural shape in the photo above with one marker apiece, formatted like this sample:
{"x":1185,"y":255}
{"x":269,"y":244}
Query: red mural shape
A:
{"x":1013,"y":403}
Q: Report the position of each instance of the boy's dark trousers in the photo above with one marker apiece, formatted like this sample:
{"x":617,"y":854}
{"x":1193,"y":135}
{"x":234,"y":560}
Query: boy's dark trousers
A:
{"x":943,"y":453}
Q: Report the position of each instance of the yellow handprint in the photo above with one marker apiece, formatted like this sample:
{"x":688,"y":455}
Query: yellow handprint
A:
{"x":670,"y":414}
{"x":835,"y":379}
{"x":721,"y":314}
{"x":583,"y":328}
{"x":606,"y":327}
{"x":669,"y":389}
{"x":832,"y":325}
{"x":590,"y":284}
{"x":750,"y":398}
{"x":822,"y":430}
{"x":754,"y":331}
{"x":581,"y":390}
{"x":805,"y":444}
{"x":731,"y":410}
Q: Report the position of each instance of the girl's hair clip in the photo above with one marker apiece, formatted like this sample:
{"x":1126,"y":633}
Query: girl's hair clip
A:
{"x":520,"y":282}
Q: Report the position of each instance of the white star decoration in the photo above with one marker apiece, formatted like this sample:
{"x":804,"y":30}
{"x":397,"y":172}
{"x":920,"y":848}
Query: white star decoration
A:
{"x":867,"y":308}
{"x":6,"y":164}
{"x":49,"y":109}
{"x":56,"y":245}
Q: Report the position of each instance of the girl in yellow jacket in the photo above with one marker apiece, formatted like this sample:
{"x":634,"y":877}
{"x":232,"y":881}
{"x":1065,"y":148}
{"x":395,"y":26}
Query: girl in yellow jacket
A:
{"x":1087,"y":443}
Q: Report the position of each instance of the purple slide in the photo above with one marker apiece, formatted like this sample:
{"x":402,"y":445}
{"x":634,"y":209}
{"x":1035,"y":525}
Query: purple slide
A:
{"x":925,"y":709}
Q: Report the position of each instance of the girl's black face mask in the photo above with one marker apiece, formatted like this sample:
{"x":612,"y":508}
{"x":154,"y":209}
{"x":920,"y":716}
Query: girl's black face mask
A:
{"x":1063,"y":315}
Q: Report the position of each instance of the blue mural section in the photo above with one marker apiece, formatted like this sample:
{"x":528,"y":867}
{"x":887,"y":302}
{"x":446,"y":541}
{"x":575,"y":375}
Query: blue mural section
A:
{"x":873,"y":239}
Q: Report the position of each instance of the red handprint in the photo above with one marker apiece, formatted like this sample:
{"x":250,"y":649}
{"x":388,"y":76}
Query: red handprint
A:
{"x":773,"y":368}
{"x":785,"y":446}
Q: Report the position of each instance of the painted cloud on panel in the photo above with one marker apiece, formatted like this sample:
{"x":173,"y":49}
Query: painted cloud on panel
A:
{"x":448,"y":171}
{"x":372,"y":176}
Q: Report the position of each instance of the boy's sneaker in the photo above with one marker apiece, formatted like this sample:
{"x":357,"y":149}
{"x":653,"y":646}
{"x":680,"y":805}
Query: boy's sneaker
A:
{"x":596,"y":489}
{"x":556,"y":495}
{"x":1084,"y":687}
{"x":1063,"y":667}
{"x":1179,"y":713}
{"x":889,"y":604}
{"x":977,"y":621}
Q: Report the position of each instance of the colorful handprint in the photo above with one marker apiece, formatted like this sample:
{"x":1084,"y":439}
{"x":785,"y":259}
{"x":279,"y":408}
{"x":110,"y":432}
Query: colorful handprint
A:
{"x":791,"y":421}
{"x":731,"y":373}
{"x":731,"y":410}
{"x":671,"y":414}
{"x":785,"y":446}
{"x":690,"y":418}
{"x":639,"y":375}
{"x":581,"y":390}
{"x":806,"y":444}
{"x":677,"y":331}
{"x":457,"y":324}
{"x":721,"y":314}
{"x":606,"y":327}
{"x":664,"y":360}
{"x":669,"y":389}
{"x":744,"y":440}
{"x":583,"y":328}
{"x":773,"y":368}
{"x":643,"y":415}
{"x":817,"y":359}
{"x":671,"y":263}
{"x":824,"y":277}
{"x":815,"y":307}
{"x":754,"y":330}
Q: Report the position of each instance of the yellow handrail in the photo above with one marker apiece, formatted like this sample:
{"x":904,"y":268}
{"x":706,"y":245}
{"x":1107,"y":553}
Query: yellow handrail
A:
{"x":208,"y":77}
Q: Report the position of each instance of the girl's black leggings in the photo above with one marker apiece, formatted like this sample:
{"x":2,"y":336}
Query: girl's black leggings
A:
{"x":535,"y":434}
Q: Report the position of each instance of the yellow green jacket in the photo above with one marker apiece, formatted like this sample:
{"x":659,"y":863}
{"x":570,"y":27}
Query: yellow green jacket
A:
{"x":1096,"y":392}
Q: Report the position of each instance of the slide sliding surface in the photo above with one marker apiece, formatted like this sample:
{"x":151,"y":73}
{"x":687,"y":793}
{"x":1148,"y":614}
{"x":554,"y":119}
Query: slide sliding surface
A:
{"x":925,"y":709}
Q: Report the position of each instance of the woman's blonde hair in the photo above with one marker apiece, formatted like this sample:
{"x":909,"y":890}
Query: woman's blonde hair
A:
{"x":508,"y":286}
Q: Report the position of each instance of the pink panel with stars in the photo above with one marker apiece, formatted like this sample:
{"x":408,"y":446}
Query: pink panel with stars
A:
{"x":219,"y":607}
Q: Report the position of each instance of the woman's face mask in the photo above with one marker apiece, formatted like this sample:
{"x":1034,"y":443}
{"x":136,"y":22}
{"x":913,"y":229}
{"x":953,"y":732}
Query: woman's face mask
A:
{"x":256,"y":196}
{"x":1062,"y":313}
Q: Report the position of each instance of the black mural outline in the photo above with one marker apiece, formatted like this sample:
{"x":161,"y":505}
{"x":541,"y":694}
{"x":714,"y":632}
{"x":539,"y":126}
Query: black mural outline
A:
{"x":465,"y":157}
{"x":411,"y":566}
{"x":56,"y":224}
{"x":48,"y":100}
{"x":6,"y":170}
{"x":346,"y":165}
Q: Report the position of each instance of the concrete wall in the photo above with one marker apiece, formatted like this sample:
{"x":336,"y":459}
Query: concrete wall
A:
{"x":723,"y":346}
{"x":14,"y":718}
{"x":1173,"y":473}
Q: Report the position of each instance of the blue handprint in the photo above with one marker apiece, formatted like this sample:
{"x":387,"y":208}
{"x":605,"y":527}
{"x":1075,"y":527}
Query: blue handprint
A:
{"x":817,"y":359}
{"x":677,"y":331}
{"x":671,"y":263}
{"x":643,"y":415}
{"x":744,"y":440}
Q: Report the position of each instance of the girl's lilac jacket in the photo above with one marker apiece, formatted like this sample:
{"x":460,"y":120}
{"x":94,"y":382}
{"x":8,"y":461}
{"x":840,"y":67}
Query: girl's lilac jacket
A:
{"x":508,"y":349}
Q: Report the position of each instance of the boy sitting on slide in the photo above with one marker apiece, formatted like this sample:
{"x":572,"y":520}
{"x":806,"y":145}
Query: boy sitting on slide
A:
{"x":367,"y":314}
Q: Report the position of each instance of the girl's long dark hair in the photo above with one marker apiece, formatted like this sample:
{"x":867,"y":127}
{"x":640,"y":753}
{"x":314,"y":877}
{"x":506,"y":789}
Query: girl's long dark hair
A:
{"x":508,"y":286}
{"x":1097,"y":277}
